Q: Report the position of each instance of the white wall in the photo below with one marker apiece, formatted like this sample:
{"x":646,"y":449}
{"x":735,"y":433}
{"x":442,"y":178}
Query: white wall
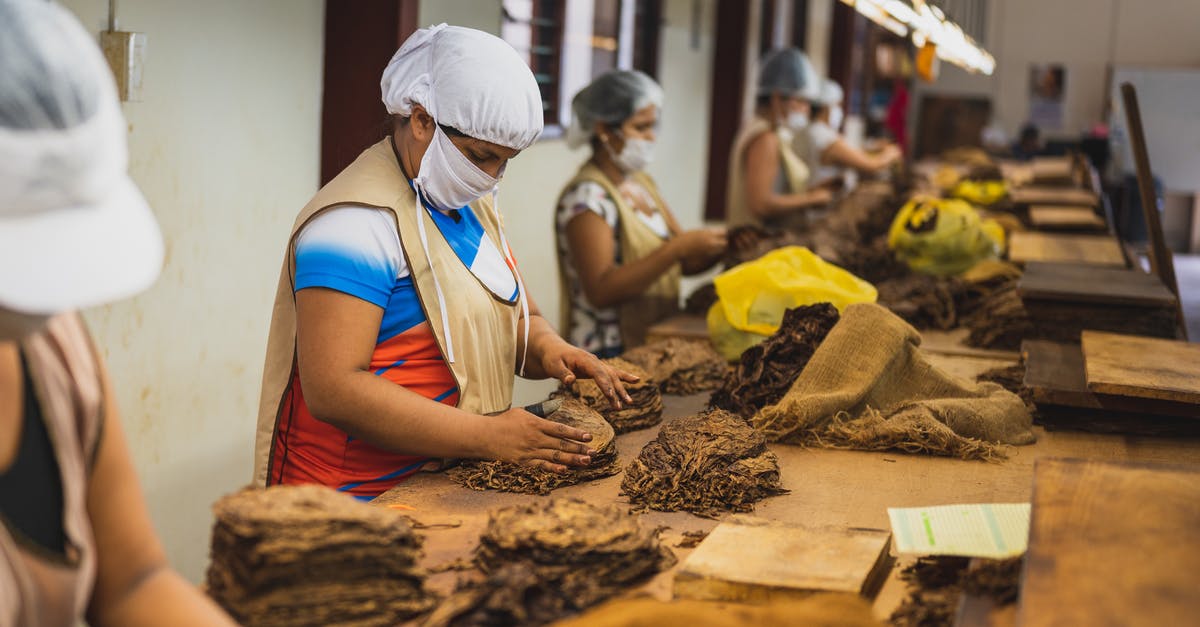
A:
{"x":1087,"y":37}
{"x":535,"y":178}
{"x":225,"y":148}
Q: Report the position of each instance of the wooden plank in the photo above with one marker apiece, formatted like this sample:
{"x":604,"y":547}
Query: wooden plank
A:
{"x":684,"y":326}
{"x":1024,"y":247}
{"x":1054,"y":373}
{"x":752,"y":560}
{"x":1052,"y":170}
{"x":1065,"y":218}
{"x":1142,"y":367}
{"x":1112,"y":544}
{"x":1082,"y":283}
{"x":953,"y":342}
{"x":1043,"y":195}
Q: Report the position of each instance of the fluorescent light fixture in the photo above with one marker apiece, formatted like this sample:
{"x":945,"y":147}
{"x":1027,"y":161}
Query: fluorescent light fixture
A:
{"x":928,"y":24}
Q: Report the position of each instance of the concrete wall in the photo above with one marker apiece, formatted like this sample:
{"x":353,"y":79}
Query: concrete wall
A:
{"x":1087,"y":37}
{"x":225,"y":148}
{"x":534,"y":179}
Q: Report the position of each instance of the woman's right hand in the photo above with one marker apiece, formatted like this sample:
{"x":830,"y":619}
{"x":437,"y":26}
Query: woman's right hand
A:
{"x":701,"y":243}
{"x":520,"y":437}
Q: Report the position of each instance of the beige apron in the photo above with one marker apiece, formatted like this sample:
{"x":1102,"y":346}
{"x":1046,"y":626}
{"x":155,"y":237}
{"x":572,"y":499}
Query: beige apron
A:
{"x":36,"y":587}
{"x":657,"y":302}
{"x":795,"y":174}
{"x":483,"y":327}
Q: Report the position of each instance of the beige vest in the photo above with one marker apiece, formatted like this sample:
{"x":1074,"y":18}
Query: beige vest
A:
{"x":795,"y":173}
{"x":37,"y":588}
{"x":482,"y":326}
{"x":657,"y":302}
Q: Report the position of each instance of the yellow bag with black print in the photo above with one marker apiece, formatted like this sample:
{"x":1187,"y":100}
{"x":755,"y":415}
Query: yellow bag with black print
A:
{"x":983,"y":193}
{"x":943,"y":236}
{"x":752,"y":297}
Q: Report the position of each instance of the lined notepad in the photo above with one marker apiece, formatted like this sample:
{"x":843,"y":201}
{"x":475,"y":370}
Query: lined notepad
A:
{"x":993,"y":530}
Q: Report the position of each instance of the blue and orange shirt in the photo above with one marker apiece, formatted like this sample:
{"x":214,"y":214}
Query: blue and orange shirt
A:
{"x":357,"y":251}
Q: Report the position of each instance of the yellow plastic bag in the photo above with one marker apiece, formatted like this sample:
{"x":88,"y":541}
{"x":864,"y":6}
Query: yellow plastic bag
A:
{"x":943,"y":236}
{"x":752,"y":297}
{"x":982,"y":193}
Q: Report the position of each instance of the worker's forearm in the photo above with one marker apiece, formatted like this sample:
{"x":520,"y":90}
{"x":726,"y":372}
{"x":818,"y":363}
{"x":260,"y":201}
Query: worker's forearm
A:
{"x":394,"y":418}
{"x":777,"y":205}
{"x":163,"y":597}
{"x":542,"y":337}
{"x":627,"y":281}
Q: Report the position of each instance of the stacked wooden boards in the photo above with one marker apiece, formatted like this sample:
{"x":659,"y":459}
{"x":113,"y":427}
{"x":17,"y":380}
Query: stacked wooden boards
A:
{"x":1030,"y":246}
{"x":1065,"y":218}
{"x":1112,"y":544}
{"x":1062,"y":299}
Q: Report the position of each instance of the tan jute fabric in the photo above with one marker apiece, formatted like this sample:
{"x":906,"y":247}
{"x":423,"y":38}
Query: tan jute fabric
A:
{"x":37,"y":587}
{"x":795,"y":173}
{"x":659,"y":301}
{"x":483,"y":327}
{"x":868,"y":387}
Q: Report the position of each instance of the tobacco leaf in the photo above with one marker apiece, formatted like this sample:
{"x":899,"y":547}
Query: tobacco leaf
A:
{"x":681,"y":366}
{"x":643,"y":411}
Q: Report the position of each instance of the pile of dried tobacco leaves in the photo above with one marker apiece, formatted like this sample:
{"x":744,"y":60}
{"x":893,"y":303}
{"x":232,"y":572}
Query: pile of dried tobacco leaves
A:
{"x":681,"y":366}
{"x":509,"y":477}
{"x":708,"y":463}
{"x":767,"y":370}
{"x":935,"y":587}
{"x":307,"y":555}
{"x":644,"y":411}
{"x":551,"y":559}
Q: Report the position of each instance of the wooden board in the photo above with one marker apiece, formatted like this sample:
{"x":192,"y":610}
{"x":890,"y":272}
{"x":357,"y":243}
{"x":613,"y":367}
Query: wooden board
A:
{"x":954,"y":342}
{"x":684,"y":326}
{"x":752,"y":560}
{"x":1055,"y":375}
{"x":1052,"y":170}
{"x":1112,"y":544}
{"x":1142,"y":367}
{"x":1103,"y":250}
{"x":1080,"y":283}
{"x":1042,"y":195}
{"x":1065,"y":218}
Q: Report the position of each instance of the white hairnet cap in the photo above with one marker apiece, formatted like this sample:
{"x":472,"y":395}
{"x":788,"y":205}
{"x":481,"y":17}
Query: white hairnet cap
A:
{"x":469,"y":80}
{"x":612,"y":98}
{"x":788,"y":71}
{"x":831,"y":93}
{"x":74,"y":229}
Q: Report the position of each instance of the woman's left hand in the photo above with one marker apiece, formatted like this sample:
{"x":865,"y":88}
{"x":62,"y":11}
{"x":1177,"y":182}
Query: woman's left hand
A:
{"x":568,"y":363}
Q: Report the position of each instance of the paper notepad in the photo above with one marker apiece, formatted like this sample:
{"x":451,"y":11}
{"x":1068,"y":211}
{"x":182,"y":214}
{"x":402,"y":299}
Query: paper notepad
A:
{"x":992,"y":530}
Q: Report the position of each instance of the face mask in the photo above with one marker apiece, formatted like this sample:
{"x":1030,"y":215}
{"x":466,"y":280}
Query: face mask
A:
{"x":448,"y":179}
{"x":635,"y":156}
{"x":836,"y":115}
{"x":16,"y":326}
{"x":797,"y":120}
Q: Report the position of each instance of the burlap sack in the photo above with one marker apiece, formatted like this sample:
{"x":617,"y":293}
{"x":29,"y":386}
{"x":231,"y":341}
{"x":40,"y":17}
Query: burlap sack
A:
{"x":868,"y":387}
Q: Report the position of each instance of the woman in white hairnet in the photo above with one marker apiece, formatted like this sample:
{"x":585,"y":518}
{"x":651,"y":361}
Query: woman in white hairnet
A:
{"x":76,"y":540}
{"x":401,"y":318}
{"x":824,"y":149}
{"x":769,"y":184}
{"x":621,"y":252}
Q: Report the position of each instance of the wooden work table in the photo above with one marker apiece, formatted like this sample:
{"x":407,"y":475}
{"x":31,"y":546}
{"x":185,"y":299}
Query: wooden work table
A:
{"x":828,"y":488}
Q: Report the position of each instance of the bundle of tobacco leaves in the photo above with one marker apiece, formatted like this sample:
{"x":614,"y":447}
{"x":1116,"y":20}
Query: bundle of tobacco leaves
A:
{"x":708,"y":463}
{"x":701,"y":300}
{"x":510,"y":477}
{"x":747,"y":243}
{"x":871,"y":261}
{"x":644,"y":411}
{"x":1011,"y":378}
{"x":935,"y":587}
{"x":999,"y":320}
{"x":550,"y":559}
{"x":924,"y":301}
{"x":767,"y":370}
{"x":681,"y":366}
{"x":308,"y":555}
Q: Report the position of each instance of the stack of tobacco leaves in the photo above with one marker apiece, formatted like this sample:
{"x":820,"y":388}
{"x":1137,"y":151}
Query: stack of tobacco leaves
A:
{"x":550,"y":559}
{"x":924,"y":301}
{"x":681,"y":366}
{"x":307,"y":555}
{"x":644,"y":411}
{"x":767,"y":370}
{"x":509,"y":477}
{"x":706,"y":464}
{"x":1011,"y":378}
{"x":936,"y":586}
{"x":999,"y":320}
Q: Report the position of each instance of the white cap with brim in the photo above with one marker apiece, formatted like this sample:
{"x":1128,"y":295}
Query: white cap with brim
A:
{"x":74,"y":229}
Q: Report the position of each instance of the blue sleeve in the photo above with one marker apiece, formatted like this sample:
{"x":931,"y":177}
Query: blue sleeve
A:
{"x":351,"y":250}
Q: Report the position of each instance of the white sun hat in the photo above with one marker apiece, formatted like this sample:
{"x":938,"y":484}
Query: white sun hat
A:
{"x":74,"y":229}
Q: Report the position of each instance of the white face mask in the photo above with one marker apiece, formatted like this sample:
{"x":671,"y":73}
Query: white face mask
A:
{"x":635,"y":156}
{"x":448,"y":179}
{"x":797,"y":120}
{"x":836,"y":115}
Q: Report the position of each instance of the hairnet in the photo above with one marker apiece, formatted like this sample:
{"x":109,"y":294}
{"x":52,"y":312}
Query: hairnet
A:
{"x":67,"y":206}
{"x":466,"y":79}
{"x":788,"y":71}
{"x":831,"y":93}
{"x":612,"y":98}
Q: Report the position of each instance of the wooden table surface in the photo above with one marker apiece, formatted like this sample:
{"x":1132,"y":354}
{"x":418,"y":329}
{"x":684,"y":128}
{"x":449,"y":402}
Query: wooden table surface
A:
{"x":828,"y":488}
